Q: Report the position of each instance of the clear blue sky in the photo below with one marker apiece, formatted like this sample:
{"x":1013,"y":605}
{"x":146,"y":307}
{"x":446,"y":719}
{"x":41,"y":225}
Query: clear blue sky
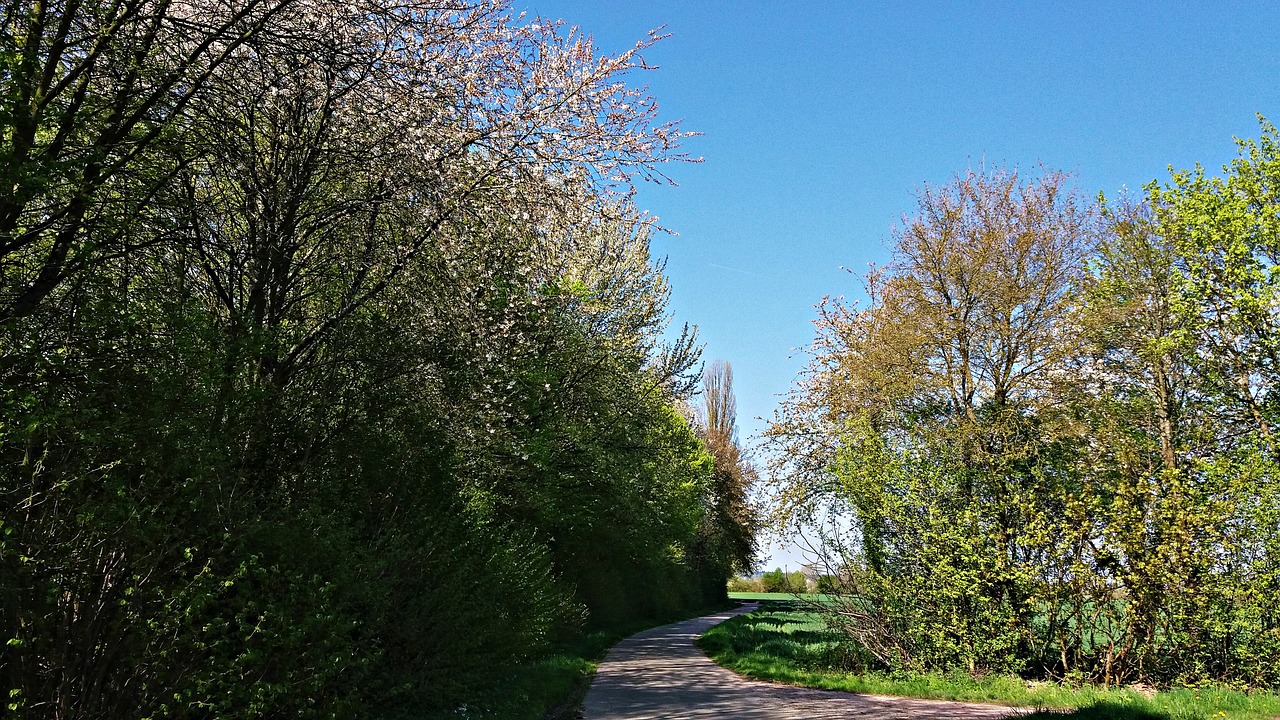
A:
{"x":822,"y":119}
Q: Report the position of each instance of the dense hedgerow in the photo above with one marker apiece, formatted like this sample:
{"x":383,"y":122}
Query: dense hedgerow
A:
{"x":1048,"y":440}
{"x":332,"y":371}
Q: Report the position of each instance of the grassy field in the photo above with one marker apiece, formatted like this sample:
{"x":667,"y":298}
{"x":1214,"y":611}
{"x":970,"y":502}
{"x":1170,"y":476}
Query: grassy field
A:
{"x":784,"y":643}
{"x":779,"y":599}
{"x":754,"y":596}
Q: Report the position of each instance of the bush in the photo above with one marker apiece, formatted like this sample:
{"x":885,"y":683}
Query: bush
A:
{"x":777,"y":581}
{"x":827,"y":584}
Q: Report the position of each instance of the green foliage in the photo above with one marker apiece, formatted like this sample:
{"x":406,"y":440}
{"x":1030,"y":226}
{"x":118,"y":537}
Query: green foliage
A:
{"x":828,"y":584}
{"x":321,"y":395}
{"x":1047,"y":443}
{"x":779,"y":581}
{"x":726,"y":542}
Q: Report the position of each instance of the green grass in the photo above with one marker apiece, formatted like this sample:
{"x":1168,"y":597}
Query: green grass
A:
{"x":754,"y":596}
{"x":784,"y":643}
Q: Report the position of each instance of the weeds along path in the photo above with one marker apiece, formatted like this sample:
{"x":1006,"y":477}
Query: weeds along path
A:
{"x":660,"y":673}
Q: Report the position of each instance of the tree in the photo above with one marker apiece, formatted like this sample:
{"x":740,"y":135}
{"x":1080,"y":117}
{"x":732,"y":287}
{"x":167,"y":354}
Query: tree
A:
{"x":1137,"y":390}
{"x":1224,"y":233}
{"x":1208,"y":375}
{"x":930,"y":417}
{"x":720,"y":406}
{"x":93,"y":115}
{"x":727,"y":540}
{"x":110,"y":105}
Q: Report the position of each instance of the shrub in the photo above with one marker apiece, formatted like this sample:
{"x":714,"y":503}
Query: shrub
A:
{"x":778,"y":581}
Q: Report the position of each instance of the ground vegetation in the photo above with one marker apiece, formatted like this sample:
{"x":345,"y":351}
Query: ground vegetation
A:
{"x":787,"y":642}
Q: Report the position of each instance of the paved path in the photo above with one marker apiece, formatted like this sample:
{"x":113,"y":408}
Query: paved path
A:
{"x":660,"y":673}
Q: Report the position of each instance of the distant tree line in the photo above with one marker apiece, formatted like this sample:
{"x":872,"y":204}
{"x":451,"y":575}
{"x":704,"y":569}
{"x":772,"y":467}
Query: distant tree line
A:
{"x":776,"y":580}
{"x":1047,"y":443}
{"x":333,"y":380}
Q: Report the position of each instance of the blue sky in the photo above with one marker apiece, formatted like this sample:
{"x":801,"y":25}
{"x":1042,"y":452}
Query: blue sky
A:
{"x":822,"y":119}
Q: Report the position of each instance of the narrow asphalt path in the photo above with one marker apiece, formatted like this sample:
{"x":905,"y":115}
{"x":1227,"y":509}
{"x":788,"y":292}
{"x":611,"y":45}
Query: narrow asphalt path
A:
{"x":660,"y":673}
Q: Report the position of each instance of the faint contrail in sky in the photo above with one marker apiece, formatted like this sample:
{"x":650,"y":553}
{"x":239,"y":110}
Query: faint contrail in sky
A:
{"x":737,"y":270}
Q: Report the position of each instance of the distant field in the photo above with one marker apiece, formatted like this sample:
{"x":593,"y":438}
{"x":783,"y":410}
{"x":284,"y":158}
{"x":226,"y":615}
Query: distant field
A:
{"x":770,"y":596}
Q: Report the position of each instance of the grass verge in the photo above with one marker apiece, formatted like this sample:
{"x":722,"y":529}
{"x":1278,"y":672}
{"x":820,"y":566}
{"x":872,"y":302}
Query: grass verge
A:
{"x":783,"y":643}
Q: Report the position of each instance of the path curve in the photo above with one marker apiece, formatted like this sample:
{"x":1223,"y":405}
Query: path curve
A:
{"x":660,"y":673}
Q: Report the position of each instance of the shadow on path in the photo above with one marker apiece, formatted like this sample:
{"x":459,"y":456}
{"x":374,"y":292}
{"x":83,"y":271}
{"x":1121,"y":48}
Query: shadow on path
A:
{"x":660,"y":673}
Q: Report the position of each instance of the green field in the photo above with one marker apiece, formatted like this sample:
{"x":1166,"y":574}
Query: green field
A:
{"x":782,"y":642}
{"x":775,"y":597}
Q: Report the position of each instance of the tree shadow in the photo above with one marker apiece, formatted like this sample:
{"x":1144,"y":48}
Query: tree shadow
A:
{"x":773,"y":605}
{"x":754,"y":621}
{"x":1099,"y":711}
